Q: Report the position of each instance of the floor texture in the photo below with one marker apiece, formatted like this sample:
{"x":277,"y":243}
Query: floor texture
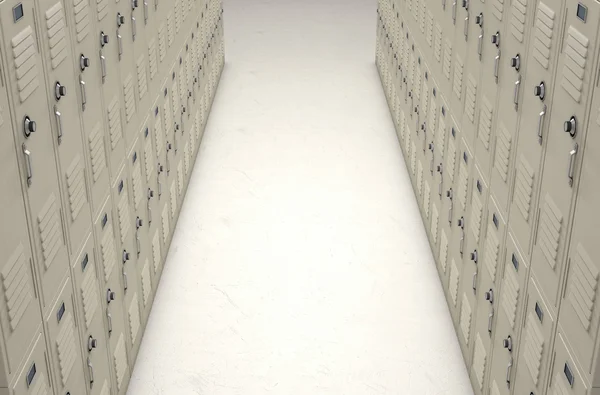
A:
{"x":300,"y":264}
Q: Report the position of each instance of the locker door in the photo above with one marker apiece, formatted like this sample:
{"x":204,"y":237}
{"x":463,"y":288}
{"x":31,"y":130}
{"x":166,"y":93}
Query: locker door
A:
{"x":110,"y":77}
{"x":139,"y":194}
{"x":88,"y":90}
{"x":34,"y":377}
{"x":141,"y":33}
{"x":578,"y":313}
{"x":456,"y":63}
{"x":537,"y":106}
{"x":534,"y":350}
{"x":441,"y":138}
{"x":64,"y":343}
{"x":90,"y":318}
{"x":564,"y":148}
{"x":509,"y":313}
{"x":566,"y":376}
{"x":19,"y":304}
{"x":66,"y":126}
{"x":487,"y":298}
{"x":35,"y":145}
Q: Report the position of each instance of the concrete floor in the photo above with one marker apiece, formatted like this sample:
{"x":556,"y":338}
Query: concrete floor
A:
{"x":300,"y":264}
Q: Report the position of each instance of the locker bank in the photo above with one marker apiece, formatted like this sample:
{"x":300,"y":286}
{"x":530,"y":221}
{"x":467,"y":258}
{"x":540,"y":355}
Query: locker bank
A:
{"x":103,"y":110}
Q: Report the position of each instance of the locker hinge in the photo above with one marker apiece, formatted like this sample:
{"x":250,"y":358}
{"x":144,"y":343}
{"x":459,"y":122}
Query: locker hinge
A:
{"x":563,"y":292}
{"x":35,"y":283}
{"x":74,"y":304}
{"x":536,"y":226}
{"x":525,"y":306}
{"x":62,"y":225}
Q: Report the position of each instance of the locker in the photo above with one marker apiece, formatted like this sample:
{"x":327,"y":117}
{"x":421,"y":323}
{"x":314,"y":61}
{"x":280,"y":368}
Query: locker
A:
{"x":35,"y":147}
{"x":456,"y":51}
{"x":536,"y":342}
{"x":509,"y":313}
{"x":537,"y":106}
{"x":20,"y":310}
{"x":91,"y":324}
{"x":61,"y":323}
{"x":441,"y":138}
{"x":34,"y":377}
{"x":564,"y":149}
{"x":141,"y":32}
{"x":64,"y":109}
{"x":566,"y":378}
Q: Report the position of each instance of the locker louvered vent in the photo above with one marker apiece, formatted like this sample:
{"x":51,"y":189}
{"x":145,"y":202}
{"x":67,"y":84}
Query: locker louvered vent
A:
{"x":192,"y":144}
{"x":16,"y":284}
{"x":114,"y":122}
{"x":81,"y":12}
{"x":582,"y":289}
{"x":178,"y":15}
{"x":24,"y":56}
{"x":441,"y":137}
{"x":120,"y":361}
{"x":498,"y":8}
{"x":170,"y":29}
{"x":180,"y":179}
{"x":101,"y":8}
{"x":417,"y":85}
{"x":152,"y":58}
{"x":560,"y":387}
{"x":485,"y":123}
{"x":425,"y":101}
{"x":186,"y":158}
{"x":146,"y":283}
{"x":465,"y":318}
{"x":97,"y":153}
{"x":422,"y":12}
{"x":149,"y":160}
{"x":162,"y":42}
{"x":463,"y":182}
{"x":510,"y":294}
{"x":476,"y":213}
{"x":109,"y":253}
{"x":129,"y":97}
{"x":89,"y":296}
{"x":503,"y":148}
{"x":175,"y":99}
{"x":55,"y":25}
{"x":492,"y":250}
{"x":165,"y":223}
{"x":433,"y":111}
{"x":156,"y":255}
{"x":173,"y":195}
{"x":524,"y":187}
{"x":39,"y":387}
{"x":573,"y":71}
{"x":76,"y":187}
{"x":451,"y":160}
{"x":158,"y":135}
{"x":413,"y":158}
{"x":65,"y":344}
{"x":124,"y":216}
{"x":437,"y":42}
{"x":550,"y":228}
{"x":458,"y":75}
{"x":517,"y":20}
{"x":402,"y":125}
{"x":419,"y":177}
{"x":479,"y":361}
{"x":136,"y":183}
{"x":533,"y":348}
{"x":471,"y":98}
{"x":142,"y":76}
{"x":447,"y":65}
{"x":168,"y":124}
{"x":454,"y":280}
{"x":50,"y":230}
{"x":429,"y":28}
{"x":544,"y":26}
{"x":134,"y":318}
{"x":434,"y":223}
{"x":426,"y":198}
{"x":443,"y":251}
{"x":105,"y":388}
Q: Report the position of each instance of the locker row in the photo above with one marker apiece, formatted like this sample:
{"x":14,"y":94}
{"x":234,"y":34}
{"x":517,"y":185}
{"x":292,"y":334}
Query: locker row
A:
{"x":103,"y":105}
{"x":496,"y":107}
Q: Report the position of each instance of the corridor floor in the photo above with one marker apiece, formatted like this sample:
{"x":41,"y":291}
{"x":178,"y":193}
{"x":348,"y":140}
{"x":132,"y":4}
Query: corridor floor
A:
{"x":300,"y":264}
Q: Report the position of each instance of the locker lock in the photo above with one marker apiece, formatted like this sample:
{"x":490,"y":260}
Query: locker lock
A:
{"x":461,"y":222}
{"x":431,"y":147}
{"x":507,"y":343}
{"x":126,"y":256}
{"x":515,"y":62}
{"x":540,"y":90}
{"x":440,"y":170}
{"x":465,"y":4}
{"x":479,"y":20}
{"x":449,"y":193}
{"x":496,"y":39}
{"x":150,"y":193}
{"x":59,"y":90}
{"x":160,"y":168}
{"x":110,"y":295}
{"x":571,"y":126}
{"x":134,"y":4}
{"x":474,"y":256}
{"x":92,"y":343}
{"x":84,"y":62}
{"x":120,"y":19}
{"x":139,"y":222}
{"x":103,"y":39}
{"x":29,"y":126}
{"x":489,"y":296}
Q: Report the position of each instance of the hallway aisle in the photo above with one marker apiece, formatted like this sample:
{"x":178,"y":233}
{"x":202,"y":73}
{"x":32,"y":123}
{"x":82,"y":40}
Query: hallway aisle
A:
{"x":300,"y":264}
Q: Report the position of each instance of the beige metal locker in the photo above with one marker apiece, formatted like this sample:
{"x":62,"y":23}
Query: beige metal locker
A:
{"x":34,"y":376}
{"x":459,"y":37}
{"x":566,"y":378}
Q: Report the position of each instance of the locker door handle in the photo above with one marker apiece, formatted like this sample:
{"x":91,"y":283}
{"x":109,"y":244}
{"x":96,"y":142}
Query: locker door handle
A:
{"x":490,"y":320}
{"x":474,"y":285}
{"x":120,"y":42}
{"x":516,"y":93}
{"x":138,"y":244}
{"x":145,"y":12}
{"x":480,"y":44}
{"x":27,"y":154}
{"x":103,"y":66}
{"x":496,"y":66}
{"x":109,"y":322}
{"x":508,"y":369}
{"x":462,"y":243}
{"x":58,"y":116}
{"x":541,"y":124}
{"x":91,"y":369}
{"x":149,"y":214}
{"x":133,"y":27}
{"x":466,"y":28}
{"x":159,"y":190}
{"x":450,"y":214}
{"x":443,"y":4}
{"x":454,"y":12}
{"x":155,"y":5}
{"x":125,"y":282}
{"x":83,"y":93}
{"x":572,"y":156}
